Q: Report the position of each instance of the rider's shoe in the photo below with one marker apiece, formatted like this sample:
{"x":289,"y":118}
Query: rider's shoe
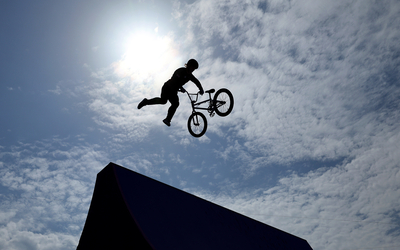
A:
{"x":168,"y":123}
{"x":142,"y":103}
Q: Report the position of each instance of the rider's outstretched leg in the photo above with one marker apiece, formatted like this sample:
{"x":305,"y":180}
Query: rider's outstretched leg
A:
{"x":142,"y":103}
{"x":156,"y":100}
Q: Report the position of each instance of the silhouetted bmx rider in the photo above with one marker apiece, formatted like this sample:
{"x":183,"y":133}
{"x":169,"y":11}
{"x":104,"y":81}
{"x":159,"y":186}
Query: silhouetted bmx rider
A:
{"x":169,"y":91}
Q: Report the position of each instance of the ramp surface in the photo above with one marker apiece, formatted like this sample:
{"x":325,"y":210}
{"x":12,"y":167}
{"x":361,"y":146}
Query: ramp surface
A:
{"x":131,"y":211}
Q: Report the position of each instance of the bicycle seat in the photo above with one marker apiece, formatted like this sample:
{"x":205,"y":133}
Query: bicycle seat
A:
{"x":210,"y":91}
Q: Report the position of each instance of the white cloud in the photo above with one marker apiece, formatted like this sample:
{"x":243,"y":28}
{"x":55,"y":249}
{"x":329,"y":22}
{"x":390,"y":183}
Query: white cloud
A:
{"x":311,"y":81}
{"x":350,"y":206}
{"x":306,"y":77}
{"x":16,"y":239}
{"x":56,"y":91}
{"x":47,"y":186}
{"x":47,"y":189}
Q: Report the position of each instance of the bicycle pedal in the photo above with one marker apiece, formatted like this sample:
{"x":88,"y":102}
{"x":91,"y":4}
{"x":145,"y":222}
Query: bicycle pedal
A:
{"x":212,"y":114}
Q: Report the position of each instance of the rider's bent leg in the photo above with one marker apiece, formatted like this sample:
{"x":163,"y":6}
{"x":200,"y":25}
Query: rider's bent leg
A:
{"x":174,"y":100}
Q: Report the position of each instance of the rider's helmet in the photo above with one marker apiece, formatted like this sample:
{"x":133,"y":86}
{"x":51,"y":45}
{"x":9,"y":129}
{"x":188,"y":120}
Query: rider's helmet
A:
{"x":192,"y":63}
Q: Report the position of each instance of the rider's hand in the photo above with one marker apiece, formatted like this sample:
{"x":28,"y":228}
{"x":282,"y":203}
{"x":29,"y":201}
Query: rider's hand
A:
{"x":201,"y":92}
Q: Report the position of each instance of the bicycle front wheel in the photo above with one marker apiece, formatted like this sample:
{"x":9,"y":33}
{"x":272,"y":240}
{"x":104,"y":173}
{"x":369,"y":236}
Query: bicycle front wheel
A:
{"x":197,"y":124}
{"x":223,"y":102}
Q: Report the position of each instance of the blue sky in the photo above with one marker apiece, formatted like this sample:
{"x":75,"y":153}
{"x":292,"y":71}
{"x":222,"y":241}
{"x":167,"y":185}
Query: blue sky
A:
{"x":311,"y":147}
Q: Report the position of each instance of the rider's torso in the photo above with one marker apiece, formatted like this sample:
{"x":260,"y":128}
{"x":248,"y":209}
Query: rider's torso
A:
{"x":179,"y":78}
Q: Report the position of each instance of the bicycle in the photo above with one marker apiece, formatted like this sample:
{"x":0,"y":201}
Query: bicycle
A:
{"x":221,"y":104}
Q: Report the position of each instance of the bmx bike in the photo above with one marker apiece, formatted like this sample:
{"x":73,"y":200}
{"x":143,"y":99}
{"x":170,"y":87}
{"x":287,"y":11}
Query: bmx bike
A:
{"x":221,"y":104}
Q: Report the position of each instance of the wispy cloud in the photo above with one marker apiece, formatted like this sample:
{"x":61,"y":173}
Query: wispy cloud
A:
{"x":353,"y":204}
{"x":312,"y":82}
{"x":47,"y":186}
{"x":306,"y":77}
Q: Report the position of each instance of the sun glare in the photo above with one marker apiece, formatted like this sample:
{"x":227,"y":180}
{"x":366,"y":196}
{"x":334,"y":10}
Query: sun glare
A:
{"x":146,"y":55}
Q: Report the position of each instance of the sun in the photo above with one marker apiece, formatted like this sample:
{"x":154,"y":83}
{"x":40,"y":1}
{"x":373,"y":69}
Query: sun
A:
{"x":146,"y":54}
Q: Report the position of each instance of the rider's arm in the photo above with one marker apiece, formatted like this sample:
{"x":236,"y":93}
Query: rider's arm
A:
{"x":198,"y":84}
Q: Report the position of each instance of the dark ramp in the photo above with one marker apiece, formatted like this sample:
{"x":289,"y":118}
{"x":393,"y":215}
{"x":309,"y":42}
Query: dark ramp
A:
{"x":131,"y":211}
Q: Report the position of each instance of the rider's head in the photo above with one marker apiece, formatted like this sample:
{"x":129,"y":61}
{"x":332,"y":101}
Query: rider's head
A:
{"x":192,"y":63}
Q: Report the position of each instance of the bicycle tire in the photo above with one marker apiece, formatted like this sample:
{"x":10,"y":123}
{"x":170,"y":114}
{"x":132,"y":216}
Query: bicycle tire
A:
{"x":197,"y":124}
{"x":223,"y":102}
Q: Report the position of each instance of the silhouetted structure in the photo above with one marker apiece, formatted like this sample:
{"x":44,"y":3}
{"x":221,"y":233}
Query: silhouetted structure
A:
{"x":131,"y":211}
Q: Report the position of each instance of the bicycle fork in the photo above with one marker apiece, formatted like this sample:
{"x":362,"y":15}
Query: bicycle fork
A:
{"x":196,"y":120}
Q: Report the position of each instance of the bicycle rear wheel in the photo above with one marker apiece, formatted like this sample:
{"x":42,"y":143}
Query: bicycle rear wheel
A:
{"x":197,"y":124}
{"x":223,"y":102}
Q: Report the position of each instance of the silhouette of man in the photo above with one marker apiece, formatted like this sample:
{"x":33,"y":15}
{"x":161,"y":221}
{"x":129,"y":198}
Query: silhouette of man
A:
{"x":169,"y":91}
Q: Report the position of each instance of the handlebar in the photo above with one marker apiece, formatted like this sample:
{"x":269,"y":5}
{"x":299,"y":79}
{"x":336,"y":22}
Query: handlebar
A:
{"x":181,"y":89}
{"x":195,"y":95}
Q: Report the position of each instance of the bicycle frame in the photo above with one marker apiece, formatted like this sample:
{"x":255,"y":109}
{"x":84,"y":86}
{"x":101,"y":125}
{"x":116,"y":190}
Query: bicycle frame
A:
{"x":196,"y":105}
